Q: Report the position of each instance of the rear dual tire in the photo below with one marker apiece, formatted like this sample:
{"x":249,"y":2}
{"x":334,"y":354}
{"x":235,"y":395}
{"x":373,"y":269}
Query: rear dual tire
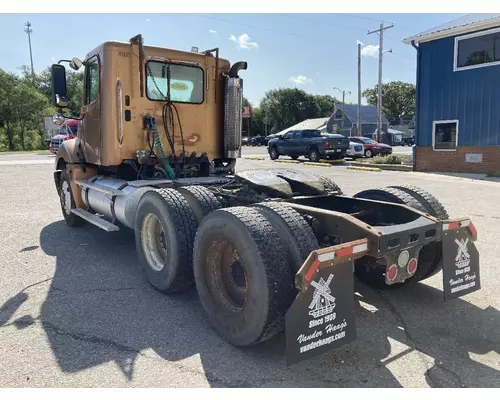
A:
{"x":430,"y":257}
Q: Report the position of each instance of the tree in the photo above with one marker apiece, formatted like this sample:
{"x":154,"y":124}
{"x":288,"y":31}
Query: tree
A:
{"x":326,"y":104}
{"x":29,"y":107}
{"x":398,"y":98}
{"x":8,"y":84}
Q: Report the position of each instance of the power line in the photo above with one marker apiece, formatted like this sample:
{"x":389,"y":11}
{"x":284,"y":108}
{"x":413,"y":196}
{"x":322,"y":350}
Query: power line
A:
{"x":326,"y":23}
{"x":263,"y":28}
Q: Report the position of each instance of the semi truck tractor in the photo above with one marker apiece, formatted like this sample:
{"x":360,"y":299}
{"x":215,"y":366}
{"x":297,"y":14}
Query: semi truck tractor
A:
{"x":270,"y":252}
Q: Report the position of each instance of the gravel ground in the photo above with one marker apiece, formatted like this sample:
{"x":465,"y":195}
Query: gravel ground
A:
{"x":75,"y":310}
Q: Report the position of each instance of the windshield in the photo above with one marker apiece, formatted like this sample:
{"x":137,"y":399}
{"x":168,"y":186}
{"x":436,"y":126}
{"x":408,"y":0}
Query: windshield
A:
{"x":186,"y":83}
{"x":368,"y":141}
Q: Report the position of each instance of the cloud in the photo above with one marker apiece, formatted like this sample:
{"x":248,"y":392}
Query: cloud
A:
{"x":300,"y":80}
{"x":317,"y":73}
{"x":243,"y":41}
{"x":212,"y":31}
{"x":147,"y":20}
{"x":369,"y":50}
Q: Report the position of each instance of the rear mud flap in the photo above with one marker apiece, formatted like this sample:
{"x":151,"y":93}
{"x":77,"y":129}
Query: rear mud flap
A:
{"x":460,"y":259}
{"x":322,"y":316}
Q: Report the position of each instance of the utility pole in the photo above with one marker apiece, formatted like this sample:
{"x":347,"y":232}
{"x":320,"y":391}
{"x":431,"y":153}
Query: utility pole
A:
{"x":380,"y":54}
{"x":359,"y":91}
{"x":29,"y":32}
{"x":343,"y":102}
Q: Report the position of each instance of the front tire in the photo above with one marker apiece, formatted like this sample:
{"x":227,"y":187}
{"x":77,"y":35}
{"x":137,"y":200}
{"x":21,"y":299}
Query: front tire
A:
{"x":368,"y":153}
{"x":68,"y":200}
{"x":273,"y":153}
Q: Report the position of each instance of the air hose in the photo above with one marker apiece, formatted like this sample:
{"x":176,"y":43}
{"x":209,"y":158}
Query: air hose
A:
{"x":157,"y":144}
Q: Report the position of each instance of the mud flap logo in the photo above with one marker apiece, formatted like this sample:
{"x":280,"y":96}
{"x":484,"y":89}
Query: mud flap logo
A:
{"x":460,"y":264}
{"x":322,"y":318}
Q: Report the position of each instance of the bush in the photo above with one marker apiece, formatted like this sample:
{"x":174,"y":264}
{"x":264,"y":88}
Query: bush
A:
{"x":390,"y":159}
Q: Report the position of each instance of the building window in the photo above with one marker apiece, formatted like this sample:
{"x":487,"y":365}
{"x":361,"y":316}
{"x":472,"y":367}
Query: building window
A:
{"x":186,"y":82}
{"x":480,"y":49}
{"x":338,"y":114}
{"x":445,"y":135}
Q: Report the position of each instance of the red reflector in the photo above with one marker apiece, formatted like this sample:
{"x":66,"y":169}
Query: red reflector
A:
{"x":452,"y":226}
{"x":412,"y":266}
{"x":325,"y":143}
{"x":308,"y":276}
{"x":473,"y":230}
{"x":392,"y":273}
{"x":345,"y":252}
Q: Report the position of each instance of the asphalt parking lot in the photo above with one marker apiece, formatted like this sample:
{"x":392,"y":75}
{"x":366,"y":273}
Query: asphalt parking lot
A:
{"x":75,"y":310}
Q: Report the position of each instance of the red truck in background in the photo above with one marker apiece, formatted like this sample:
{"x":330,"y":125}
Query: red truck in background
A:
{"x":68,"y":130}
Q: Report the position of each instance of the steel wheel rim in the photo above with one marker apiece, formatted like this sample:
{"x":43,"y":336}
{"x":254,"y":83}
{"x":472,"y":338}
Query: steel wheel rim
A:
{"x":66,"y":197}
{"x":154,"y":242}
{"x":226,"y":277}
{"x":273,"y":153}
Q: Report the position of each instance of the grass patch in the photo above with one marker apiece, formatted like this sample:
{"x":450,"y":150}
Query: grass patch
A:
{"x":493,"y":174}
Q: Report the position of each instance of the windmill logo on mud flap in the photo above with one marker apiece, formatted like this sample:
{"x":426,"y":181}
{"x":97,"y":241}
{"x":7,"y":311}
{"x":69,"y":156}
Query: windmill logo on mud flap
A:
{"x":462,"y":259}
{"x":322,"y":302}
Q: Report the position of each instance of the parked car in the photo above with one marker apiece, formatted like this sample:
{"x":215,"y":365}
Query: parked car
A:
{"x":408,"y":141}
{"x":68,"y":130}
{"x":372,"y":147}
{"x":257,"y":141}
{"x":355,"y":150}
{"x":310,"y":143}
{"x":244,"y":141}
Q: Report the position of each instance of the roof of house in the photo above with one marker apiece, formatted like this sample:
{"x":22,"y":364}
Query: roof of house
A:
{"x":466,"y":24}
{"x":368,"y":114}
{"x":313,"y":123}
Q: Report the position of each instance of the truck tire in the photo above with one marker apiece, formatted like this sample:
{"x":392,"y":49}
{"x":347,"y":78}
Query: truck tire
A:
{"x":433,"y":252}
{"x":67,"y":200}
{"x":296,"y":236}
{"x":165,"y":228}
{"x":241,"y":275}
{"x":373,"y":275}
{"x":368,"y":153}
{"x":273,"y":153}
{"x":330,"y":186}
{"x":314,"y":155}
{"x":201,"y":200}
{"x":294,"y":157}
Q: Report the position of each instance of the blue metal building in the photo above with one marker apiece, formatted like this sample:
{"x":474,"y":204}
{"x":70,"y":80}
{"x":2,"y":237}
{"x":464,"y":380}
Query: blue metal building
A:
{"x":457,"y":124}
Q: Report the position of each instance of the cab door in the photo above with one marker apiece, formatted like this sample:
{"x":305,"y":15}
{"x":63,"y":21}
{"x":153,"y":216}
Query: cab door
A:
{"x":91,"y":110}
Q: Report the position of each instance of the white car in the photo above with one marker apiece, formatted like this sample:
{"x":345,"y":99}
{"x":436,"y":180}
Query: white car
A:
{"x":355,"y":150}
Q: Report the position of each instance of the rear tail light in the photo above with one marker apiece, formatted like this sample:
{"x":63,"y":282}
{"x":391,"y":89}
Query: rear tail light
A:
{"x":325,"y":143}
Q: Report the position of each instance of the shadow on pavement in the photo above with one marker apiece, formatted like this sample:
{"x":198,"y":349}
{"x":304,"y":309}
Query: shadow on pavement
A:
{"x":100,"y":308}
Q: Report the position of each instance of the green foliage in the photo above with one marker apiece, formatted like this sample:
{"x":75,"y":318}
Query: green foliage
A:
{"x":287,"y":107}
{"x":398,"y":98}
{"x":390,"y":159}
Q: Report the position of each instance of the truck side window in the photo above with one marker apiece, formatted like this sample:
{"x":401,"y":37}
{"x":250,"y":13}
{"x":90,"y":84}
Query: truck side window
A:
{"x":288,"y":135}
{"x":92,"y":80}
{"x":296,"y":135}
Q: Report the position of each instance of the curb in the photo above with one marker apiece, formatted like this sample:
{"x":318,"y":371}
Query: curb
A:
{"x":288,"y":161}
{"x":333,"y":161}
{"x":317,"y":164}
{"x":363,"y":168}
{"x":254,"y":158}
{"x":388,"y":167}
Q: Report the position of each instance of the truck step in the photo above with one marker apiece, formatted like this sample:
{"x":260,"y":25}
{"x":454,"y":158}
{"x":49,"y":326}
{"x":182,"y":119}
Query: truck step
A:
{"x":95,"y":220}
{"x":99,"y":188}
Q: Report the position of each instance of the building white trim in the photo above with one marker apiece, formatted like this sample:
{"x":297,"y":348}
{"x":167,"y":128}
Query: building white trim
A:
{"x":459,"y":30}
{"x":471,"y":35}
{"x":446,"y":121}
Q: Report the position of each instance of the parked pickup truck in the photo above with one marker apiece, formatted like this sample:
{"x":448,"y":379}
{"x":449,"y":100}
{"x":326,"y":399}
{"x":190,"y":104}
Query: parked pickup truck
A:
{"x":310,"y":143}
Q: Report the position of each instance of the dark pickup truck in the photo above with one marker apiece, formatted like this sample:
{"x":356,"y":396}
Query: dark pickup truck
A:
{"x":310,"y":143}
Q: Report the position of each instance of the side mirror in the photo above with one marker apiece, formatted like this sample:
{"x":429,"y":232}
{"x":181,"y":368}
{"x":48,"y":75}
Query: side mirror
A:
{"x":76,"y":63}
{"x":59,"y":90}
{"x":58,"y":119}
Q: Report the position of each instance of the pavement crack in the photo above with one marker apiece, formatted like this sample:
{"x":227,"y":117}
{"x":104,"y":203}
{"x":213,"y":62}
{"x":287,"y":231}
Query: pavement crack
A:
{"x":89,"y":338}
{"x":401,"y":319}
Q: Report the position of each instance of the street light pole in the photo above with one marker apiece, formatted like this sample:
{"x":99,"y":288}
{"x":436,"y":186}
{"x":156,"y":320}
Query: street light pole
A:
{"x":343,"y":102}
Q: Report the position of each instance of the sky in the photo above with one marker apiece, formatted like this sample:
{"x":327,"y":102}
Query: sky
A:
{"x":313,"y":52}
